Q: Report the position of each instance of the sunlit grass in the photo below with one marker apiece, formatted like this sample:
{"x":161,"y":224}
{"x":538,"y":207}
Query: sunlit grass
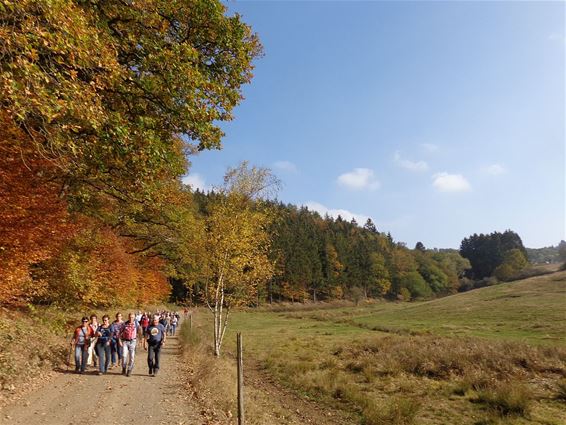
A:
{"x":369,"y":357}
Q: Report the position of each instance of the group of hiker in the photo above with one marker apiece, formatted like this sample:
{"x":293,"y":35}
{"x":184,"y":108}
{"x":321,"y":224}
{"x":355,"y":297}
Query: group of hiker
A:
{"x":108,"y":345}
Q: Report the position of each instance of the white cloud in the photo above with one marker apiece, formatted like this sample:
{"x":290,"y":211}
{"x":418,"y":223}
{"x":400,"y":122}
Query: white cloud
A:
{"x":345,"y":214}
{"x":410,"y":165}
{"x":358,"y":179}
{"x":494,"y":170}
{"x":286,"y":166}
{"x":429,"y":147}
{"x":557,"y":37}
{"x":195,"y":181}
{"x":445,"y":182}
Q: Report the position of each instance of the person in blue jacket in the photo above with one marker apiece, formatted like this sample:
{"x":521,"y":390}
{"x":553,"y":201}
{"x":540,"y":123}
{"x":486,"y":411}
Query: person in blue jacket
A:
{"x":103,"y":350}
{"x":153,"y":341}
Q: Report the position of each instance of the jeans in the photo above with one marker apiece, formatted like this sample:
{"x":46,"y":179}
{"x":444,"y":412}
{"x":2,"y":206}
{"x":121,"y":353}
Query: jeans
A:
{"x":103,"y":351}
{"x":153,"y":352}
{"x":128,"y":347}
{"x":116,"y":351}
{"x":173,"y":328}
{"x":81,"y":355}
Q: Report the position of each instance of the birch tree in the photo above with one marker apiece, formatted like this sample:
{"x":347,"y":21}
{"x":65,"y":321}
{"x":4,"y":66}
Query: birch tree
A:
{"x":238,"y":243}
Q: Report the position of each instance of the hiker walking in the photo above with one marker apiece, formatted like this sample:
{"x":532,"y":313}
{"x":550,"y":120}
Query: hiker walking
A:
{"x":103,"y":349}
{"x":92,"y":357}
{"x":81,"y":340}
{"x":153,"y":341}
{"x":116,"y":349}
{"x":174,"y":323}
{"x":144,"y":323}
{"x":127,"y":341}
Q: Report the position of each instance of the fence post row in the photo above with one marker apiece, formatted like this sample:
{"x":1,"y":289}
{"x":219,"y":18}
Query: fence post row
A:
{"x":240,"y":380}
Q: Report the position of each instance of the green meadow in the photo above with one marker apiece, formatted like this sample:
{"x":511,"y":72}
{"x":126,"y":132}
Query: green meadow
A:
{"x":492,"y":355}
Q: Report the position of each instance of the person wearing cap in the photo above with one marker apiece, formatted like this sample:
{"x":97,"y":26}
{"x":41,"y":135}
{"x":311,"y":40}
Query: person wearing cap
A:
{"x":81,"y":340}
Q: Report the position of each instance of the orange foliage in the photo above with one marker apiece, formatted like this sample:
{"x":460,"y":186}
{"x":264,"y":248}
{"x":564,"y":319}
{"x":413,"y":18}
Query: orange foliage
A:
{"x":128,"y":279}
{"x":34,"y":221}
{"x":50,"y":255}
{"x":96,"y":269}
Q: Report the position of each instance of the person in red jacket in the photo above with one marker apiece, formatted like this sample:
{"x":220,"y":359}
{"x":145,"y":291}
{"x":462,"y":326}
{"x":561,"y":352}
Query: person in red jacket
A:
{"x":81,"y":340}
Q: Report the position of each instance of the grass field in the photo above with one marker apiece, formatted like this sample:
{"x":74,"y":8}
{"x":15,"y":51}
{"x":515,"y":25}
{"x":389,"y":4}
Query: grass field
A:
{"x":493,"y":355}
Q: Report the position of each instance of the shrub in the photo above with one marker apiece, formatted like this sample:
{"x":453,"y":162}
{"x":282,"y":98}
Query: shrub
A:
{"x":445,"y":358}
{"x":473,"y":381}
{"x":561,"y":387}
{"x":397,"y":411}
{"x":507,"y":399}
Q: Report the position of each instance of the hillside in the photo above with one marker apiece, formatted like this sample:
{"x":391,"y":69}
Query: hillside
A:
{"x":532,"y":310}
{"x":494,"y":355}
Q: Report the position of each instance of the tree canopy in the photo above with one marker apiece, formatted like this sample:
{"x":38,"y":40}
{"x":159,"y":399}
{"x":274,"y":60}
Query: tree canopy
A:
{"x":487,"y":252}
{"x":101,"y":102}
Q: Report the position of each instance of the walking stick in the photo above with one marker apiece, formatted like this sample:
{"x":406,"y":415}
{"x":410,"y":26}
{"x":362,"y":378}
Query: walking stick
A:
{"x":69,"y":355}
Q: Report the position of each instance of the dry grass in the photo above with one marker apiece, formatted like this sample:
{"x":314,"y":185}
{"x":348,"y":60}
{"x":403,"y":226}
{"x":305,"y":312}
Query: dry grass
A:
{"x":561,"y":390}
{"x":445,"y":358}
{"x":507,"y":399}
{"x":396,"y":411}
{"x":33,"y":343}
{"x":212,"y":378}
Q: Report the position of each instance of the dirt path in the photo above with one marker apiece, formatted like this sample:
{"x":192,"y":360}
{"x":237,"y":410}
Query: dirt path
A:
{"x":112,"y":398}
{"x":169,"y":398}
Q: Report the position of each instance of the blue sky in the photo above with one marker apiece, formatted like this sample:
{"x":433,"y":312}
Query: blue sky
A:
{"x":436,"y":119}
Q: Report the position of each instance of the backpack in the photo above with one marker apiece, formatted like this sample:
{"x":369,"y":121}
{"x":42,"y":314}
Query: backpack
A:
{"x":129,"y":331}
{"x":86,"y":334}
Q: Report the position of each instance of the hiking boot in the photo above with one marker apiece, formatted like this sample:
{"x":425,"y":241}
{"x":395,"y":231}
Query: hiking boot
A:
{"x":128,"y":372}
{"x":123,"y":371}
{"x":155,"y":372}
{"x":150,"y":372}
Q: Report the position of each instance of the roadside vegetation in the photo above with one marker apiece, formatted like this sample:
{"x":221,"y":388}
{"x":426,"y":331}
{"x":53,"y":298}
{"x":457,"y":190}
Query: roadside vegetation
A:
{"x":433,"y":376}
{"x":34,"y":342}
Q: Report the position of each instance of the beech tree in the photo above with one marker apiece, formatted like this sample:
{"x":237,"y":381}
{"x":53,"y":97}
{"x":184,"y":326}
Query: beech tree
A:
{"x":106,"y":88}
{"x":237,"y":243}
{"x":101,"y":101}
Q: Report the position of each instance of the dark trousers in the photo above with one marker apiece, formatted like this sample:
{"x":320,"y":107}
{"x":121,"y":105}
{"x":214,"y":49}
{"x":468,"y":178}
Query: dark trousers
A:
{"x":103,"y":352}
{"x":153,"y":352}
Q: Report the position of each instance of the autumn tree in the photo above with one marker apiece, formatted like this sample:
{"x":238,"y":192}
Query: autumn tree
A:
{"x":34,"y":221}
{"x":237,"y":243}
{"x":106,"y":99}
{"x":106,"y":88}
{"x":513,"y":262}
{"x":379,"y":281}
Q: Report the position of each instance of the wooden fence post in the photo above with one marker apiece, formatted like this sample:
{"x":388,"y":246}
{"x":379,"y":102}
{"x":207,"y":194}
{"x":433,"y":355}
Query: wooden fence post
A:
{"x":191,"y":322}
{"x":240,"y":380}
